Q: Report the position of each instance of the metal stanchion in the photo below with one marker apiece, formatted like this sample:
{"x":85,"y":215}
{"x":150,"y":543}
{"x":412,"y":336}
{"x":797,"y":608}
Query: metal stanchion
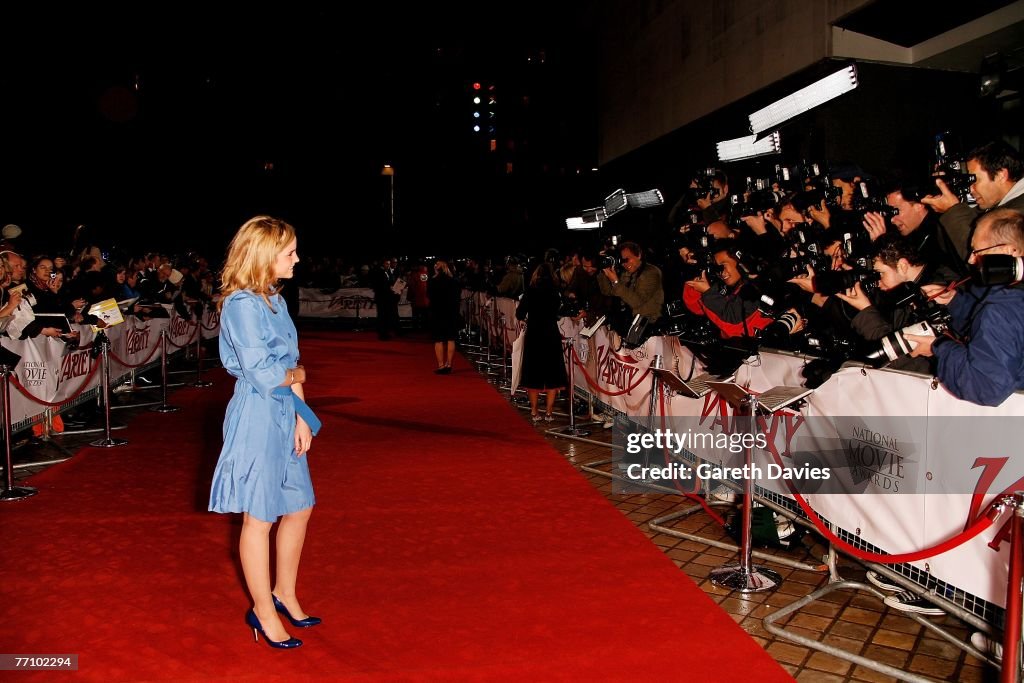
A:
{"x":1011,"y":671}
{"x":200,"y":382}
{"x":506,"y":381}
{"x":10,"y":492}
{"x":163,"y":407}
{"x":746,"y":577}
{"x":104,"y":345}
{"x":571,"y":429}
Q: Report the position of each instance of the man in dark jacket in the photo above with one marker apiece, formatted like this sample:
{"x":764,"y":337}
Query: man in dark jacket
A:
{"x":988,"y":365}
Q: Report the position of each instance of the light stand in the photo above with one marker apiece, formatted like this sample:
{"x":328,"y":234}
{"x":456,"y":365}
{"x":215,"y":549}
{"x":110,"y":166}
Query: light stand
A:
{"x":10,"y":492}
{"x":104,"y":344}
{"x":745,"y":577}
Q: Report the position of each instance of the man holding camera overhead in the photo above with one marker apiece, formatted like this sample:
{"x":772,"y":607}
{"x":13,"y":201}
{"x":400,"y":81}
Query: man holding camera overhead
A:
{"x":986,"y":365}
{"x":998,"y":182}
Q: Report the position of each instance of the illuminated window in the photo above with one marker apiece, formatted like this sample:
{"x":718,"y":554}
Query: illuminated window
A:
{"x":494,"y":145}
{"x":508,"y":168}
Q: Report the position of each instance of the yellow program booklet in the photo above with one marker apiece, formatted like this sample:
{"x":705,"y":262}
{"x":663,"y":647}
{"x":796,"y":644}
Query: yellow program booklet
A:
{"x":107,"y":311}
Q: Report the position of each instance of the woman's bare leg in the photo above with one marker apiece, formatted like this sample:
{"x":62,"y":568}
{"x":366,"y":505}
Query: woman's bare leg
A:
{"x":254,"y":550}
{"x":291,"y":534}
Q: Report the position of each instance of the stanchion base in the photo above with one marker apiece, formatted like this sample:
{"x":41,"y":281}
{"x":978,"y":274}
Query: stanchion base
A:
{"x":200,"y":384}
{"x":18,"y":492}
{"x":570,"y":431}
{"x":108,"y":443}
{"x":755,"y":580}
{"x":165,"y":409}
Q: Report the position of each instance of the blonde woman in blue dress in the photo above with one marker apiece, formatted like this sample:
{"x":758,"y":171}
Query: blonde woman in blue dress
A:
{"x":263,"y":472}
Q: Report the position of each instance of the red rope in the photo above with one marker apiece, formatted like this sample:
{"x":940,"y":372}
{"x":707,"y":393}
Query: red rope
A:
{"x":703,"y":503}
{"x":78,"y":392}
{"x":593,"y":385}
{"x":979,"y":525}
{"x":129,"y":365}
{"x":191,"y":337}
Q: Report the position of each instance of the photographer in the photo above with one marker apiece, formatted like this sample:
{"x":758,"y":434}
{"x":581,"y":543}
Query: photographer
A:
{"x":987,"y":364}
{"x":998,"y":182}
{"x":726,"y":298}
{"x":903,"y":272}
{"x":714,"y":205}
{"x":917,"y":223}
{"x":638,"y":286}
{"x":584,"y":291}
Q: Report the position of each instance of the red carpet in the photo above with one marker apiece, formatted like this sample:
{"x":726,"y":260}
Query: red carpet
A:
{"x":449,"y":542}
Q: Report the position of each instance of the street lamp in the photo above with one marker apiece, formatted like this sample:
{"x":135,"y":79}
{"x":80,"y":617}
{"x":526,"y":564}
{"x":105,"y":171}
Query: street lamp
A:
{"x":390,"y":173}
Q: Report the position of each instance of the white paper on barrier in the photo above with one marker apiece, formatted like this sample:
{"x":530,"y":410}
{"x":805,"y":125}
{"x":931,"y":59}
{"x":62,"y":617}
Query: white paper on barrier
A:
{"x":517,"y":361}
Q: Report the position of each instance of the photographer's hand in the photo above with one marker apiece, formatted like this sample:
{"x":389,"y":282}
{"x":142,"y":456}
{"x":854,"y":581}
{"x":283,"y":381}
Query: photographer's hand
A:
{"x":805,"y":282}
{"x":820,"y":214}
{"x":704,"y":202}
{"x":924,"y":344}
{"x":874,"y":224}
{"x":700,"y":283}
{"x":756,"y":223}
{"x":855,"y":296}
{"x":942,"y":202}
{"x":612,"y":276}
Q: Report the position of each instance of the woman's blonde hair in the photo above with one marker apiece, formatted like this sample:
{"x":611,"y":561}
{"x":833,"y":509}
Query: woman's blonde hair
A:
{"x":442,"y":266}
{"x":251,"y":257}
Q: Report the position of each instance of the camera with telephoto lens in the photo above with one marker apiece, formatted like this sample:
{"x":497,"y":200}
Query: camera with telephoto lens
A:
{"x":932,"y":318}
{"x":951,"y":167}
{"x":607,"y":261}
{"x":997,"y":269}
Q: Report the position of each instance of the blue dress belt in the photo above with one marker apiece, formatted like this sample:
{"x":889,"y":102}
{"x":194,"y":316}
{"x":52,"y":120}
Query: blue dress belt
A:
{"x":301,"y":409}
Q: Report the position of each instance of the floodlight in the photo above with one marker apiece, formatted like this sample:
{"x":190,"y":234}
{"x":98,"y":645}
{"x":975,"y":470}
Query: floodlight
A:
{"x":803,"y":100}
{"x":749,"y":147}
{"x":579,"y":223}
{"x":619,"y":200}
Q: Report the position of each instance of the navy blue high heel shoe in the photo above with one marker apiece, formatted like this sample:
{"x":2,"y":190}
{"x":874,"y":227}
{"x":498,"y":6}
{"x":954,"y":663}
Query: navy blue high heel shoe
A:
{"x":299,"y":623}
{"x":253,"y":621}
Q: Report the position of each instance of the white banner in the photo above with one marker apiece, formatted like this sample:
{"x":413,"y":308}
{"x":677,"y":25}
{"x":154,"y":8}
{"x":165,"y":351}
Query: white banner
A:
{"x":350,"y":302}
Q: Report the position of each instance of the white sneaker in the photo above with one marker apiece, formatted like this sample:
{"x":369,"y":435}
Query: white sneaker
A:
{"x":987,"y":645}
{"x":878,"y":581}
{"x":911,"y":602}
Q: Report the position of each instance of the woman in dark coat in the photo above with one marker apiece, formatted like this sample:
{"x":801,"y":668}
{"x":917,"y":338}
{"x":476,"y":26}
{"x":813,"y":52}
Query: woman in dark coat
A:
{"x":543,"y":363}
{"x":443,"y":295}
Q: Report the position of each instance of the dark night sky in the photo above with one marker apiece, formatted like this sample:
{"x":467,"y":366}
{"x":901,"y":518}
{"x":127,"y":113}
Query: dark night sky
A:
{"x":181,"y":156}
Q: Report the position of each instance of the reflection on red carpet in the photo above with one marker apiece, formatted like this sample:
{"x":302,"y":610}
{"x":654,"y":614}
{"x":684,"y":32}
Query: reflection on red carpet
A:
{"x":449,"y":542}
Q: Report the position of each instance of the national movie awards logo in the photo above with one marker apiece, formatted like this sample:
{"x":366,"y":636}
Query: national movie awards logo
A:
{"x":34,"y":373}
{"x":877,"y":457}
